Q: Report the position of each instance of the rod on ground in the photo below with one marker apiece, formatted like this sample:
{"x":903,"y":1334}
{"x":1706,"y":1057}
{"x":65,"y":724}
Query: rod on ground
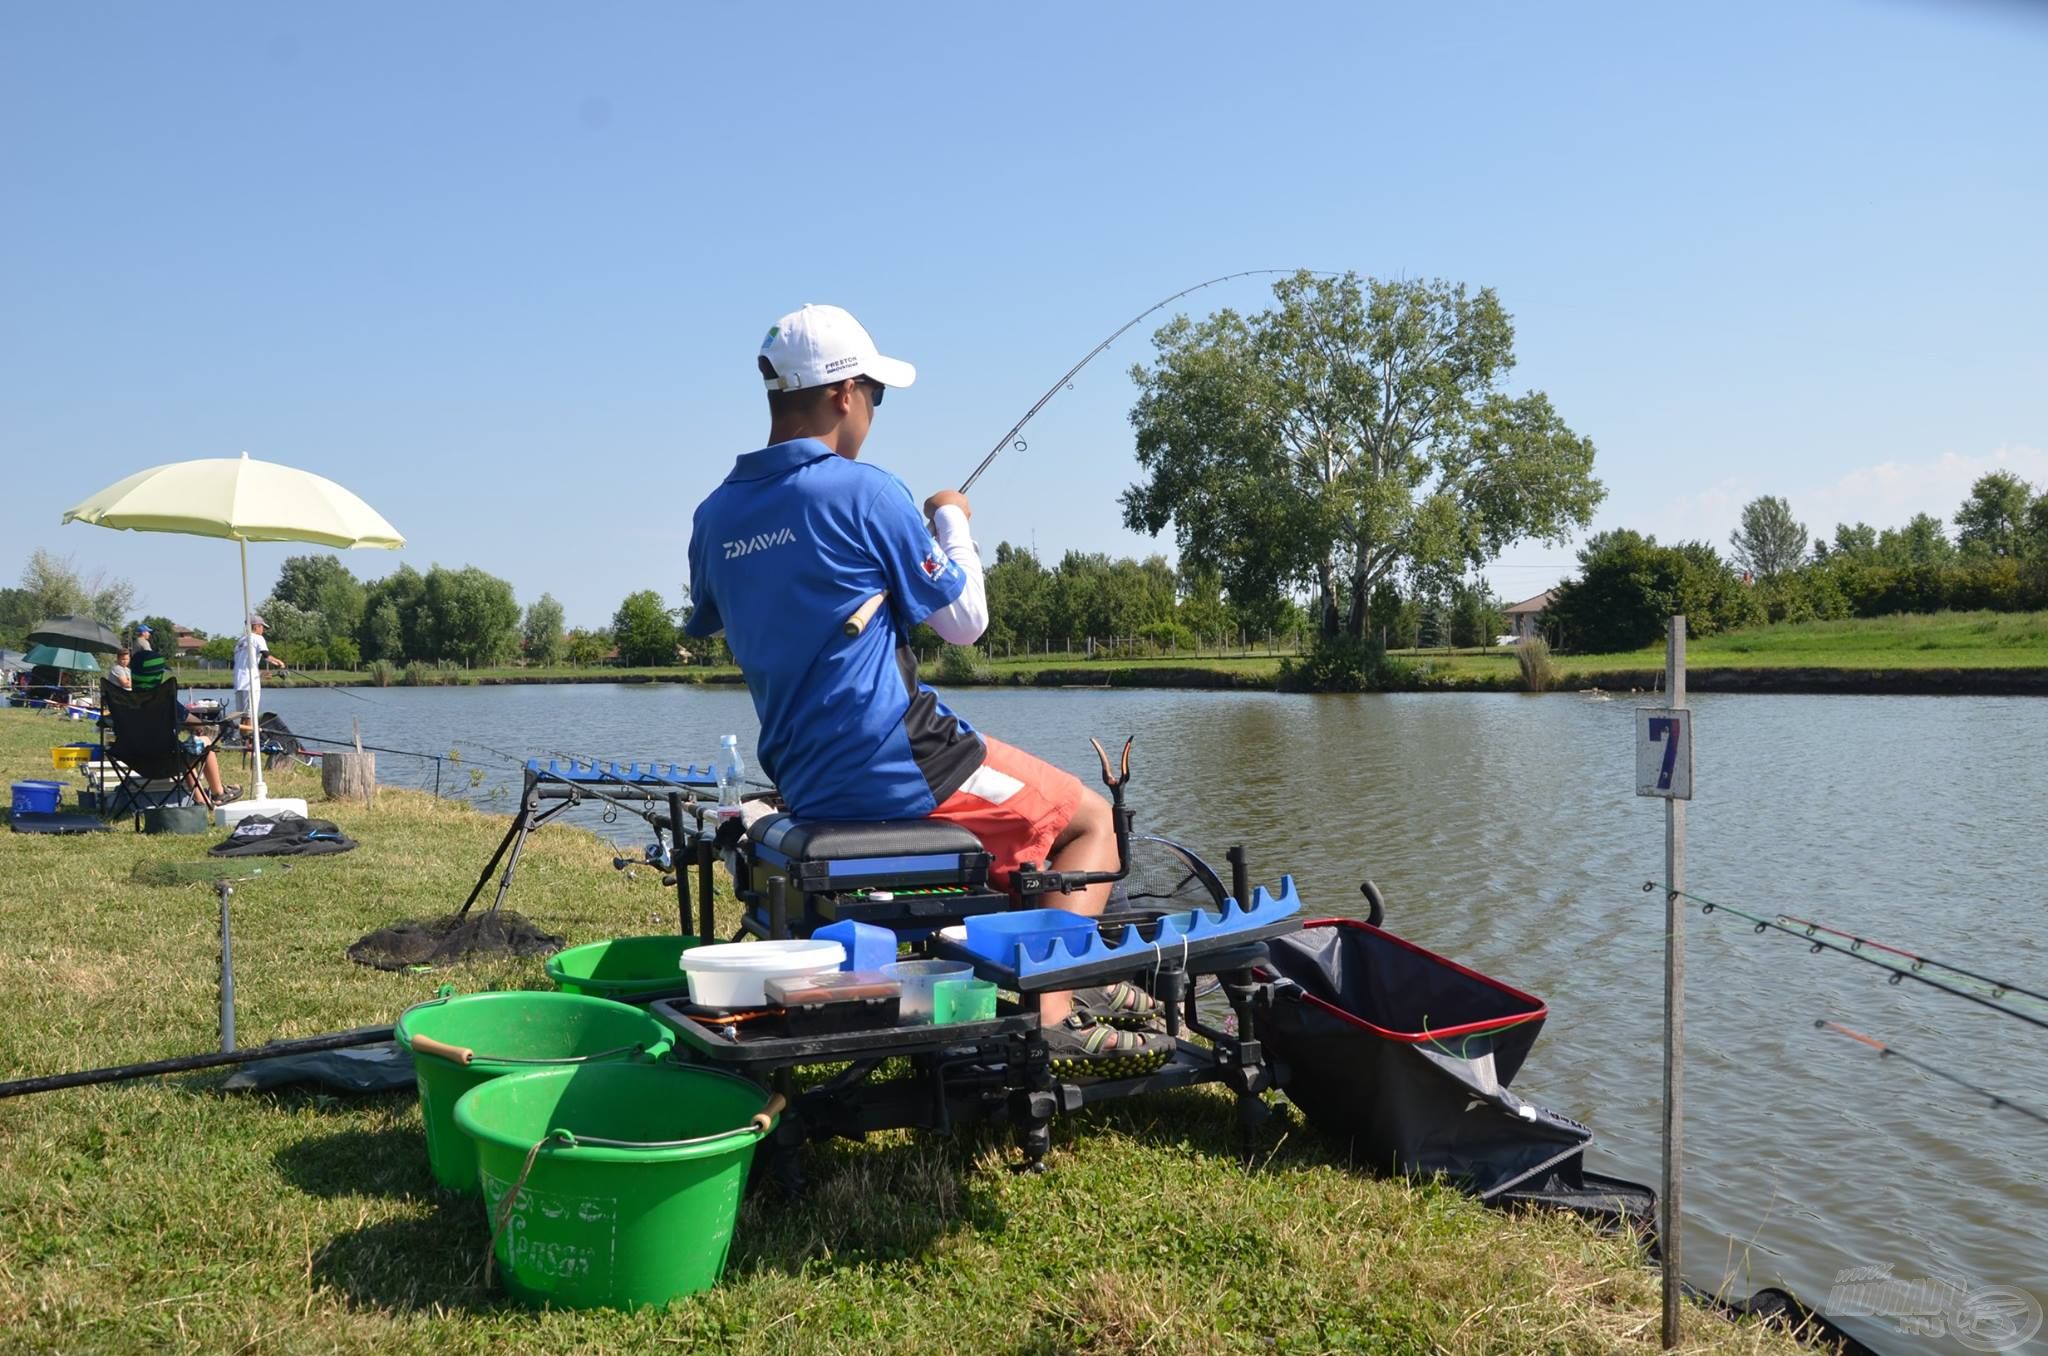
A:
{"x":341,"y":1040}
{"x":864,"y":614}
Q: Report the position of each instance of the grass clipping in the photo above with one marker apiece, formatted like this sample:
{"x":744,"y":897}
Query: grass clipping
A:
{"x":452,"y":938}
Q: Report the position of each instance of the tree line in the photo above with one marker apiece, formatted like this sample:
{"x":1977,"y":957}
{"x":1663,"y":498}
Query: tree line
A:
{"x":1776,"y":570}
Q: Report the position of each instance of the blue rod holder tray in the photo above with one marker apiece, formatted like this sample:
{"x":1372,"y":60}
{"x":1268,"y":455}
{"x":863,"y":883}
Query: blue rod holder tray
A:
{"x":628,"y":774}
{"x":1179,"y":934}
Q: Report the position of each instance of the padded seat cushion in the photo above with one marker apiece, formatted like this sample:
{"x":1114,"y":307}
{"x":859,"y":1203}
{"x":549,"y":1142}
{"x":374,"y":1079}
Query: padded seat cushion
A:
{"x":849,"y":840}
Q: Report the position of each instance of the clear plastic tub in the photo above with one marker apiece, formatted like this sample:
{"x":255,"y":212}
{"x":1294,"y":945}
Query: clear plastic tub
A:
{"x":917,"y":978}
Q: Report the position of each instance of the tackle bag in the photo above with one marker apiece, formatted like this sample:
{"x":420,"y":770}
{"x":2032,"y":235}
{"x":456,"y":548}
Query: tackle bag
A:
{"x":284,"y":835}
{"x":1402,"y":1058}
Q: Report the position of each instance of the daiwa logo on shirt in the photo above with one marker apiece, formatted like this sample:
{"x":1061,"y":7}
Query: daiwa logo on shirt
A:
{"x":760,"y":541}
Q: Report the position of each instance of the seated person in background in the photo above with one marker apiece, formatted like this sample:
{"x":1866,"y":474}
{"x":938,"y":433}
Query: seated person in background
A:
{"x":145,"y":645}
{"x":119,"y":675}
{"x":798,"y":536}
{"x":147,"y":675}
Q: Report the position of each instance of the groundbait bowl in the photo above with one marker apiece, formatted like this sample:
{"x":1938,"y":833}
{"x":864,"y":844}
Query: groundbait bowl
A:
{"x":639,"y":1221}
{"x":457,"y":1043}
{"x":625,"y":967}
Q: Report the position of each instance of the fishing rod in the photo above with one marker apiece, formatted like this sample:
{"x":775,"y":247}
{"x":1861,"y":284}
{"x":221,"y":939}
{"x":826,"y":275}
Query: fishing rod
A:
{"x":1011,"y":440}
{"x":1887,"y":1051}
{"x":1896,"y":972}
{"x":1999,"y":988}
{"x":862,"y":615}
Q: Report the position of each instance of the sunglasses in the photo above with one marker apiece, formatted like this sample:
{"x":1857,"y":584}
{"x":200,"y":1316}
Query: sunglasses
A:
{"x":875,"y":391}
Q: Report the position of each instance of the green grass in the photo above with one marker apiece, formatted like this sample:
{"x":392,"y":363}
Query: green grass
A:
{"x":172,"y":1215}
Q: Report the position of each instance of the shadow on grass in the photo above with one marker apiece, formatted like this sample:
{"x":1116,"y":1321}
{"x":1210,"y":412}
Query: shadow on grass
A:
{"x":887,"y":1201}
{"x":390,"y":1161}
{"x":427,"y":1262}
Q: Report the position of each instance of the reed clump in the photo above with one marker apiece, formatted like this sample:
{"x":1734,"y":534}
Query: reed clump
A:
{"x":1533,"y":657}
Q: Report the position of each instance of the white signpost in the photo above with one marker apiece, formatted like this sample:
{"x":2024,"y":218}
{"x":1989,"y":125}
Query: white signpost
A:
{"x":1664,"y":769}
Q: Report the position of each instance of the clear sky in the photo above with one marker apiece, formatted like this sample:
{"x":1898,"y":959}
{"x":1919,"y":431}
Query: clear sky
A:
{"x":502,"y":268}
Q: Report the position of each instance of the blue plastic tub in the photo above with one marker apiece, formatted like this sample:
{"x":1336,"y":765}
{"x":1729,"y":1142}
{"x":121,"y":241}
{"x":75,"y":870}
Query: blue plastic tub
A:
{"x":998,"y":935}
{"x":867,"y":946}
{"x":37,"y":798}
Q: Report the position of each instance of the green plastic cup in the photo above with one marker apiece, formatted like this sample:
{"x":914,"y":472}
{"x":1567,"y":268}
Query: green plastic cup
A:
{"x":616,"y":1226}
{"x":963,"y":1000}
{"x":473,"y":1038}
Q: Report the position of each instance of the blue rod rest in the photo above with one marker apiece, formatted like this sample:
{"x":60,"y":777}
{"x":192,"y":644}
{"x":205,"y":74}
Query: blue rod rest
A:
{"x":1176,"y":932}
{"x":631,"y":774}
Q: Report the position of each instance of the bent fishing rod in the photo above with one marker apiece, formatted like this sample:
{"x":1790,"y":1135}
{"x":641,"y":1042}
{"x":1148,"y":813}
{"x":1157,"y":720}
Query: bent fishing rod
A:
{"x":862,"y":615}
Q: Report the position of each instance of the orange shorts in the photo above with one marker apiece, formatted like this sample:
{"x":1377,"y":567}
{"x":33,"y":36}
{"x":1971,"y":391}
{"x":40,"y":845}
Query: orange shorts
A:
{"x":1016,"y":804}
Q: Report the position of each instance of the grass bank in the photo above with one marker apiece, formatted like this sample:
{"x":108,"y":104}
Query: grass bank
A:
{"x":1944,"y":652}
{"x":171,"y":1215}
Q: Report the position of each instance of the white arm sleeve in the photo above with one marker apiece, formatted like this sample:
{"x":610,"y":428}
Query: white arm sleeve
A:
{"x":963,"y":621}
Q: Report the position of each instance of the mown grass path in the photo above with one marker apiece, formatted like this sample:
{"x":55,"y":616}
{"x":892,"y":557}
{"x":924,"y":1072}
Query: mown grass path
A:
{"x":170,"y":1215}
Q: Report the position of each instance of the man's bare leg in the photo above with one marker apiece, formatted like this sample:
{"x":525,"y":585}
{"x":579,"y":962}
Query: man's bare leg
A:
{"x":1088,"y":843}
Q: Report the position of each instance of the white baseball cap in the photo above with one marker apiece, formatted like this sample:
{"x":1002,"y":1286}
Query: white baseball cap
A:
{"x":819,"y":345}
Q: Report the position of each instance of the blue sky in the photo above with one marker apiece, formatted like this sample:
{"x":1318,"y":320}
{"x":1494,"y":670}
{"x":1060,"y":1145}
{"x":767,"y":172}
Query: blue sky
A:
{"x":502,"y":269}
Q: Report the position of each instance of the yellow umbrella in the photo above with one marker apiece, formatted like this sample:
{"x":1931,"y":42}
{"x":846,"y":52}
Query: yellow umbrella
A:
{"x":243,"y":500}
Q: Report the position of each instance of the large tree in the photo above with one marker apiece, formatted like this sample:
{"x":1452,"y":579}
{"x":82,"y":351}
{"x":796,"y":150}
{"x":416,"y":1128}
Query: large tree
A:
{"x":472,"y":617}
{"x":52,"y":585}
{"x":542,"y":632}
{"x":1628,"y":586}
{"x":1770,"y":541}
{"x":1992,"y":520}
{"x":644,"y":630}
{"x":1356,"y":431}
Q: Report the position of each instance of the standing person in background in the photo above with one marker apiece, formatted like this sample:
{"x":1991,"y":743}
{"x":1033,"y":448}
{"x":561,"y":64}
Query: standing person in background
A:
{"x":251,"y":654}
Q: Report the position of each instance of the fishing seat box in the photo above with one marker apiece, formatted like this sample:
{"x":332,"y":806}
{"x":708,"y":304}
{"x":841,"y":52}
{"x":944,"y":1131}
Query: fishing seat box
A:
{"x":920,"y":874}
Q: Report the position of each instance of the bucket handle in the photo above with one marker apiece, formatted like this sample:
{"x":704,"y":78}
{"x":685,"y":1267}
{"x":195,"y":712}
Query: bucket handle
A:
{"x":462,"y":1054}
{"x":760,"y":1124}
{"x":454,"y":1054}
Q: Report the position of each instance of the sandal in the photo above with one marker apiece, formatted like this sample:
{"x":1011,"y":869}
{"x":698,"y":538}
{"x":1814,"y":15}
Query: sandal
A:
{"x":1122,"y":1004}
{"x":1082,"y":1047}
{"x":230,"y":792}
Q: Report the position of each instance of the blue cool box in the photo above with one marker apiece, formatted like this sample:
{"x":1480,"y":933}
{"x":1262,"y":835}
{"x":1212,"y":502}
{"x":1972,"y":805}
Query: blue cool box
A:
{"x":37,"y":798}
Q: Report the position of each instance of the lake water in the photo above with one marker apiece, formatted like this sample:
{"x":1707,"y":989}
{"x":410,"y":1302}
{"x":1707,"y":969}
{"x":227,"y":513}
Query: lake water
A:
{"x":1504,"y":833}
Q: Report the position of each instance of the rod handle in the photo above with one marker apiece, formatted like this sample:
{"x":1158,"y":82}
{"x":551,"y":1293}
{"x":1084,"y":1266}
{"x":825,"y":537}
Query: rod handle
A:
{"x":864,"y":614}
{"x":455,"y":1054}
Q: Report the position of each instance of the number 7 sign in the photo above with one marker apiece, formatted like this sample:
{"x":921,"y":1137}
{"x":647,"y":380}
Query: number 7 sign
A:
{"x":1664,"y":752}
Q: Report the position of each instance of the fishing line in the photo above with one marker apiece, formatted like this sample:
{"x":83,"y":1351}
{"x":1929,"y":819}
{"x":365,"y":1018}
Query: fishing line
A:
{"x":1896,"y":973}
{"x":1887,"y":1051}
{"x":1011,"y":440}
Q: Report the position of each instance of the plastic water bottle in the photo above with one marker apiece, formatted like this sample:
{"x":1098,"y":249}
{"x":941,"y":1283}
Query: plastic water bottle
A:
{"x":732,"y":776}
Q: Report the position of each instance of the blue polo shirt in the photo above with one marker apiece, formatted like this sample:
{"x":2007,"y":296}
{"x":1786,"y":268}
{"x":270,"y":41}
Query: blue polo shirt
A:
{"x":793,"y":541}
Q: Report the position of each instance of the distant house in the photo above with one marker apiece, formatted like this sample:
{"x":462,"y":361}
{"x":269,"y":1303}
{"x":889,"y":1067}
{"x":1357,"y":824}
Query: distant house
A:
{"x":188,"y":643}
{"x":1525,"y":619}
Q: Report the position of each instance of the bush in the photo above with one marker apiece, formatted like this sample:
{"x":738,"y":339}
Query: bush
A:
{"x":383,"y":673}
{"x":1167,"y":637}
{"x":961,"y":664}
{"x":1533,"y":656}
{"x":420,"y":675}
{"x":1340,"y":664}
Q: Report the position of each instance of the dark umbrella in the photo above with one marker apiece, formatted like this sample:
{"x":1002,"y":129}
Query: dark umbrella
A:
{"x":76,"y":633}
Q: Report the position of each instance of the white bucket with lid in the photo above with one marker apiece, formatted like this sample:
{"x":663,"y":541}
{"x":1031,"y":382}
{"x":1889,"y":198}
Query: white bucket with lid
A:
{"x":732,"y":974}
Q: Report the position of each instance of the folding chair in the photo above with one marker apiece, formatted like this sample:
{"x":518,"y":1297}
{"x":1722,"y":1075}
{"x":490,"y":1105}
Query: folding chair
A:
{"x":146,"y":746}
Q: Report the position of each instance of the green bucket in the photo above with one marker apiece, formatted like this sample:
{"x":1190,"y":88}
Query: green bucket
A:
{"x":457,"y":1043}
{"x":630,"y":1199}
{"x":624,"y":968}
